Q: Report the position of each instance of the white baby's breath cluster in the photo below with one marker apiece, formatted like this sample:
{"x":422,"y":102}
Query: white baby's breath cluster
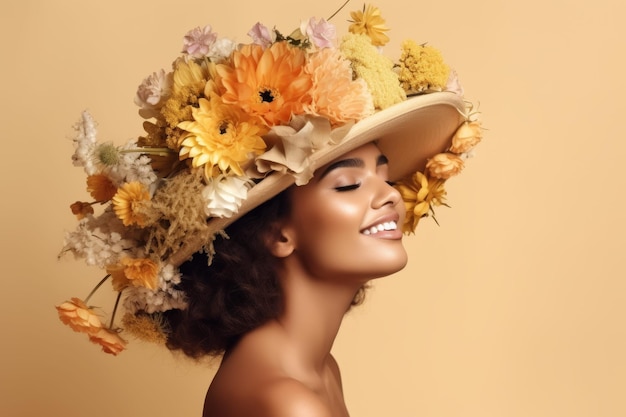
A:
{"x":100,"y":240}
{"x":165,"y":297}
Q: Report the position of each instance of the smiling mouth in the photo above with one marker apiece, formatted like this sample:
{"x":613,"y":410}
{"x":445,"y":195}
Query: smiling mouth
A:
{"x":381,"y":227}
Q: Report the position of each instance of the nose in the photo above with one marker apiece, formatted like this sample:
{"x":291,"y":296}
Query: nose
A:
{"x":386,"y":194}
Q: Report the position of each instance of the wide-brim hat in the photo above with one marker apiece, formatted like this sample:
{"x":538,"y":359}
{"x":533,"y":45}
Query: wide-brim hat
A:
{"x":407,"y":133}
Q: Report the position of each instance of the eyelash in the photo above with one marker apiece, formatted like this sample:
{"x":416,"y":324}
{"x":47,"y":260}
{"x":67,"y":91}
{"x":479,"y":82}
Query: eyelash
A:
{"x":348,"y":187}
{"x":357,"y":185}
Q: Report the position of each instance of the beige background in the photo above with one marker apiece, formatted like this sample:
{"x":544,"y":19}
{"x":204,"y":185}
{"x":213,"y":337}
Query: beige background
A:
{"x":515,"y":306}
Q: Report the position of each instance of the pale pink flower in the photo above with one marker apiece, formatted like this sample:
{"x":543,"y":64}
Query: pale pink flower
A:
{"x":454,"y":84}
{"x":153,"y":92}
{"x":198,"y":41}
{"x":261,"y":35}
{"x":321,"y":33}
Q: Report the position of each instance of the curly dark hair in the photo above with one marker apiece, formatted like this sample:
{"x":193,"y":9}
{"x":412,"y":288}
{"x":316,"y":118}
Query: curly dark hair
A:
{"x":238,"y":292}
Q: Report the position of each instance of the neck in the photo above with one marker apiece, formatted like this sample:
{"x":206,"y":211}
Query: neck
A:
{"x":314,"y":310}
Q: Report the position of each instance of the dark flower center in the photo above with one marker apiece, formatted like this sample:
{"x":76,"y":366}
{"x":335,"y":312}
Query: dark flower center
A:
{"x":266,"y":95}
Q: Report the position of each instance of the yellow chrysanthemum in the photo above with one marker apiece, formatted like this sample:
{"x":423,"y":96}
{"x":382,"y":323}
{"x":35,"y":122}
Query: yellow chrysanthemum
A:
{"x":137,"y":272}
{"x":335,"y":94}
{"x":221,"y":136}
{"x":422,"y":68}
{"x":266,"y":82}
{"x":374,"y":68}
{"x":101,"y":187}
{"x":189,"y":80}
{"x":369,"y":22}
{"x":128,"y":201}
{"x":420,"y":195}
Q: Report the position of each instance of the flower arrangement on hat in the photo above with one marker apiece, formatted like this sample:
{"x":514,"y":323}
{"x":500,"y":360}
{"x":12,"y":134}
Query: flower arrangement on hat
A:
{"x":222,"y":120}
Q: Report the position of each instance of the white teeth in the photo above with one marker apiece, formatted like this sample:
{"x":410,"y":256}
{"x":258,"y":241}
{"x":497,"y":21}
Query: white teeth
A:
{"x":392,"y":225}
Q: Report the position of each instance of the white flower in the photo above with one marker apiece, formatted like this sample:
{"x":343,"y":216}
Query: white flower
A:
{"x":152,"y":93}
{"x":99,"y":240}
{"x":224,"y":195}
{"x":165,"y":297}
{"x":132,"y":166}
{"x":85,"y":143}
{"x":198,"y":41}
{"x":221,"y":49}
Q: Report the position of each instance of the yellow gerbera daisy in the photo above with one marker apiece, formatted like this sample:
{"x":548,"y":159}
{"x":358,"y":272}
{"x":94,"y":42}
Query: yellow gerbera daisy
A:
{"x":266,"y":82}
{"x":369,"y":21}
{"x":127,"y":203}
{"x":221,"y":136}
{"x":420,"y":194}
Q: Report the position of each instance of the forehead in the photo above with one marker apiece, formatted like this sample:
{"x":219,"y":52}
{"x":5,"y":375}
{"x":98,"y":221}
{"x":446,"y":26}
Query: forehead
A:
{"x":366,"y":154}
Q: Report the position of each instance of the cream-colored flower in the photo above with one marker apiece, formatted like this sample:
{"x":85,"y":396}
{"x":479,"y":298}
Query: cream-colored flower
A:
{"x":468,"y":135}
{"x":224,"y":195}
{"x":110,"y":341}
{"x":128,"y":202}
{"x":444,"y":165}
{"x":76,"y":314}
{"x":138,"y":272}
{"x":369,"y":22}
{"x":375,"y":68}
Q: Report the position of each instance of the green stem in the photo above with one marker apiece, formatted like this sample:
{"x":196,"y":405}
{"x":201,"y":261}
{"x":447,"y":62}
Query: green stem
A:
{"x":96,"y":287}
{"x":150,"y":151}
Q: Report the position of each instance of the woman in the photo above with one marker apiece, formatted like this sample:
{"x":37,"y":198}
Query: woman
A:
{"x":320,"y":245}
{"x":277,"y":207}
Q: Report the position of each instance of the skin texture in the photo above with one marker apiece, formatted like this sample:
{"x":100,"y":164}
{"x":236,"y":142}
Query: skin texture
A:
{"x":284,"y":367}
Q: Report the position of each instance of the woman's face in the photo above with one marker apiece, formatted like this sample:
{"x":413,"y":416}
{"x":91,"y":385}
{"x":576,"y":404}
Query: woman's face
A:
{"x":347,"y":220}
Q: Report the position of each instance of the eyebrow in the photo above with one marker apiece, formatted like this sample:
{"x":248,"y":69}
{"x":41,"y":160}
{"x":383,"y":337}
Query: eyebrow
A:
{"x":353,"y":163}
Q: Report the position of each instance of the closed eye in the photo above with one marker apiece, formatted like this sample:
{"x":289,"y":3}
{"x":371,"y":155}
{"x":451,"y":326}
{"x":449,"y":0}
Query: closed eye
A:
{"x":348,"y":187}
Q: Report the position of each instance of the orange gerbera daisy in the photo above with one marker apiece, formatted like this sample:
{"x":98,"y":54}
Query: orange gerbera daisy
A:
{"x":128,"y":201}
{"x":266,"y":82}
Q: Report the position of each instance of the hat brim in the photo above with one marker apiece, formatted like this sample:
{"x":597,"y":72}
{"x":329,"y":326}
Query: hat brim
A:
{"x":407,"y":133}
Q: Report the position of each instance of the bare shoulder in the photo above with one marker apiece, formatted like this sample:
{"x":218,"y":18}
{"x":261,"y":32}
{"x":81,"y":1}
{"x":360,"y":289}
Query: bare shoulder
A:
{"x":287,"y":397}
{"x":276,"y":397}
